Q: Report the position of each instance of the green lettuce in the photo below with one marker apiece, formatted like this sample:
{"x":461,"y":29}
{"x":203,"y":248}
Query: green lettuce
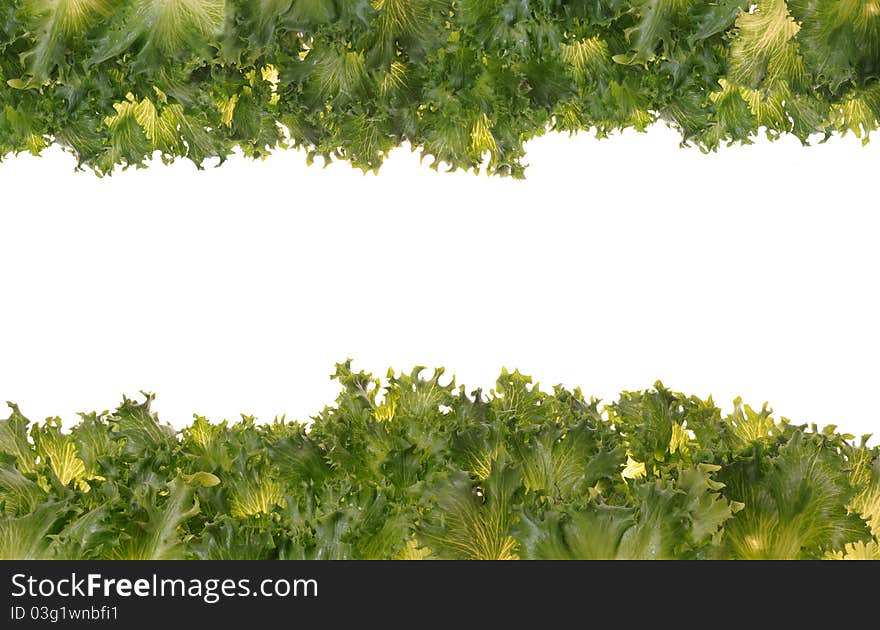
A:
{"x":415,"y":467}
{"x":465,"y":83}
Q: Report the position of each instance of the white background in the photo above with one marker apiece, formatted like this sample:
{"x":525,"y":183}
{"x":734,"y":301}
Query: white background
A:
{"x":751,"y":272}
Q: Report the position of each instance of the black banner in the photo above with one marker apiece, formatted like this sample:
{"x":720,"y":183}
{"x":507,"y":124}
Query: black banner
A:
{"x":127,"y":594}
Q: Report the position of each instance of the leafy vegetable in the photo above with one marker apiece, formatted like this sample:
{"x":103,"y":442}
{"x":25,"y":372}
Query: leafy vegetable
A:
{"x":464,"y":82}
{"x":416,"y":468}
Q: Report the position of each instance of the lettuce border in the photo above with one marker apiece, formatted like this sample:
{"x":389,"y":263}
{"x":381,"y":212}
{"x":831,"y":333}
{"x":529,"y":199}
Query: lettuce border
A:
{"x":465,"y":83}
{"x":413,"y":468}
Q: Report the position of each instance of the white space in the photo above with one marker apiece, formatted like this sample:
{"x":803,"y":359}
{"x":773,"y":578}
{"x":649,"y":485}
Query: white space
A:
{"x":751,"y":272}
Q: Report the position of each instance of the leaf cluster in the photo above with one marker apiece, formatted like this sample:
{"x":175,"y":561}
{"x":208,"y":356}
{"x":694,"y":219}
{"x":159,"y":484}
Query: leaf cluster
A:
{"x":464,"y":82}
{"x":414,"y":467}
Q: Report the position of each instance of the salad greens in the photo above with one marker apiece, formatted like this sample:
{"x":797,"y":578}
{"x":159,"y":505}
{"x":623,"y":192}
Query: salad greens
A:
{"x":464,"y":82}
{"x":416,"y":468}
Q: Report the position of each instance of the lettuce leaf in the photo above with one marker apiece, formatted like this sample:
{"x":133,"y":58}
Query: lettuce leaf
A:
{"x":413,"y":466}
{"x":465,"y":83}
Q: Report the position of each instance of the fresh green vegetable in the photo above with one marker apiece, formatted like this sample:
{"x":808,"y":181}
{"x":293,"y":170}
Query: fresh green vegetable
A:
{"x":464,"y":82}
{"x":416,"y":468}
